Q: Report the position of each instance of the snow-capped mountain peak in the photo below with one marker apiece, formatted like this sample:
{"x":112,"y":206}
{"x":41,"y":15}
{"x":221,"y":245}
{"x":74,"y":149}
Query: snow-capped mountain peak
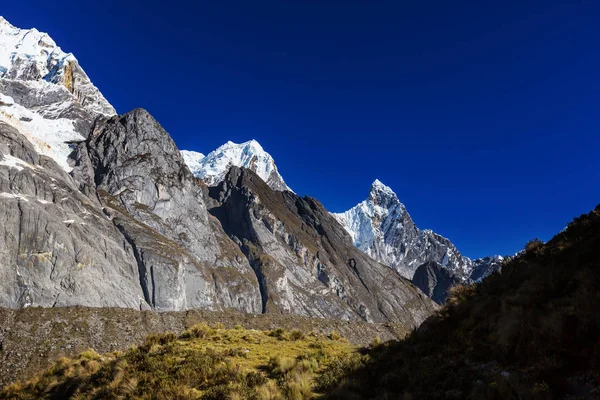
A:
{"x":381,"y":227}
{"x":45,"y":93}
{"x":383,"y":195}
{"x":367,"y":220}
{"x":31,"y":55}
{"x":213,"y":167}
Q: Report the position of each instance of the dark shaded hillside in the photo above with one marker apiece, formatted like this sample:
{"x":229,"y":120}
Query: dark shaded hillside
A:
{"x":532,"y":332}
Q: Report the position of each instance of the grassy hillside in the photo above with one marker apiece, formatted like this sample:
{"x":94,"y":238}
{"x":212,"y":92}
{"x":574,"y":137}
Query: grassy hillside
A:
{"x":531,"y":332}
{"x":202,"y":363}
{"x":32,"y":339}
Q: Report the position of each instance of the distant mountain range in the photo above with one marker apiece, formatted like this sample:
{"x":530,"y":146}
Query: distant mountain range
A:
{"x":104,"y":210}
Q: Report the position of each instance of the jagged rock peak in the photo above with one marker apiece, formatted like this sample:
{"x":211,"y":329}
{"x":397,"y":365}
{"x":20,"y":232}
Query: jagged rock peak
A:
{"x":383,"y":196}
{"x":379,"y":187}
{"x":251,"y":155}
{"x":381,"y":227}
{"x":31,"y":55}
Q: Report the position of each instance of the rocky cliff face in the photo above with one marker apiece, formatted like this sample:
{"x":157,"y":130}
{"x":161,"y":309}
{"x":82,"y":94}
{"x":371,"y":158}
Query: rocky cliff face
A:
{"x":184,"y":259}
{"x":57,"y":246}
{"x":434,"y":280}
{"x":305,"y":261}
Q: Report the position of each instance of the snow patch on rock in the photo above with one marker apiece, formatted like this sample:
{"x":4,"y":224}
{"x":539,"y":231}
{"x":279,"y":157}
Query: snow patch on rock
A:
{"x":48,"y":136}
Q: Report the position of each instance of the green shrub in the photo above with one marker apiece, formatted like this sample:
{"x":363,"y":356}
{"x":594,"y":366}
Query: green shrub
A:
{"x":295,"y":335}
{"x":198,"y":331}
{"x":280,"y":365}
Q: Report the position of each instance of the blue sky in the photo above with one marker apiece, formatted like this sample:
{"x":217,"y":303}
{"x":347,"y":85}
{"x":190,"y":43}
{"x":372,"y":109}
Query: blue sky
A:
{"x":482,"y":116}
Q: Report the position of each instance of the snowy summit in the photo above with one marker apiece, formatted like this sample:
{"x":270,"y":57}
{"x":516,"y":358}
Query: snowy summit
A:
{"x":44,"y":93}
{"x":213,"y":167}
{"x":31,"y":55}
{"x":381,"y":227}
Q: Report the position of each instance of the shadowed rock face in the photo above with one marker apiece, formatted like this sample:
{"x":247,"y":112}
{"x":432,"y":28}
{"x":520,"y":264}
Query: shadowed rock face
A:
{"x":304,"y":259}
{"x":434,"y":280}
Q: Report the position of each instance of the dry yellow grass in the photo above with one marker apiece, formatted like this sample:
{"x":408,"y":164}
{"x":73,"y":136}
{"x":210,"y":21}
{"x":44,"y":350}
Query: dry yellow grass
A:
{"x":202,"y":363}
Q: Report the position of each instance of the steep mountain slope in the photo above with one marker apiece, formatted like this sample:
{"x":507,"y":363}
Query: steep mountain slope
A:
{"x":434,"y":280}
{"x":530,"y":332}
{"x":250,"y":155}
{"x":381,"y":227}
{"x":305,"y":260}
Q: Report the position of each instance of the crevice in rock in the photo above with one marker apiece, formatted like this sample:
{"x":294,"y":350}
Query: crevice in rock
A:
{"x":153,"y":285}
{"x":260,"y":277}
{"x":20,"y":229}
{"x":142,"y":270}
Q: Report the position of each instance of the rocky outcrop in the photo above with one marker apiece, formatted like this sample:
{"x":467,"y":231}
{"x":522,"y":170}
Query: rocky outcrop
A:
{"x":304,"y":260}
{"x":434,"y":280}
{"x":484,"y":267}
{"x":184,"y":259}
{"x":51,"y":102}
